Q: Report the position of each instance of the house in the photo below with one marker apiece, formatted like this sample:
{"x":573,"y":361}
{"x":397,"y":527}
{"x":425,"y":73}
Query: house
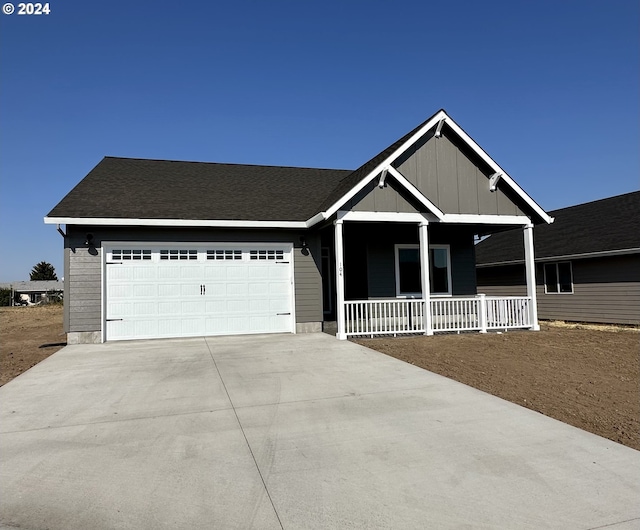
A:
{"x":587,"y":263}
{"x":157,"y":248}
{"x":33,"y":292}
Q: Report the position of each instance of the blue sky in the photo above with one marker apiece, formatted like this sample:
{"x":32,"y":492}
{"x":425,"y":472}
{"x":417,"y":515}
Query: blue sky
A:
{"x":548,"y":88}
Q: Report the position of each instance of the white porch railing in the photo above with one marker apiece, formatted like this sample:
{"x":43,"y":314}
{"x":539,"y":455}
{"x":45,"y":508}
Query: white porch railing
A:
{"x":477,"y":313}
{"x":384,"y":317}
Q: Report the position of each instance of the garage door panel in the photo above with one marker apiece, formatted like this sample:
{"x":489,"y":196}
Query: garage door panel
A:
{"x":123,"y":309}
{"x":169,"y":290}
{"x":145,"y":290}
{"x":203,"y":290}
{"x":144,"y":309}
{"x":192,"y":308}
{"x":145,"y":273}
{"x":168,"y":272}
{"x":237,"y":289}
{"x":146,"y":328}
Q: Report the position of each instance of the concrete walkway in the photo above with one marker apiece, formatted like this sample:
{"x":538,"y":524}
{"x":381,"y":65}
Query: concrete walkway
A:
{"x":289,"y":431}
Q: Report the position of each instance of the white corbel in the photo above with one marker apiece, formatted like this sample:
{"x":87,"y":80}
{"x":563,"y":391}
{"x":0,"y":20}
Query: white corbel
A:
{"x":383,"y":175}
{"x":493,"y":181}
{"x":439,"y":128}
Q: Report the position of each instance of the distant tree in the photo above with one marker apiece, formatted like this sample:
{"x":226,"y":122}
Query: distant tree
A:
{"x":43,"y":271}
{"x":5,"y":297}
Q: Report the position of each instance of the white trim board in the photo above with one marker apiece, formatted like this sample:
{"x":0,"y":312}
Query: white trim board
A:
{"x":563,"y":257}
{"x":220,"y":223}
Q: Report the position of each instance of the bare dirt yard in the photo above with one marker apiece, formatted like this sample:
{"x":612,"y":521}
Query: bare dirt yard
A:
{"x":586,"y":376}
{"x":27,"y":336}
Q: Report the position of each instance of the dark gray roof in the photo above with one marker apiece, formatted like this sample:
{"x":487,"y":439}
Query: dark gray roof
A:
{"x":125,"y":188}
{"x":356,"y":176}
{"x":601,"y":226}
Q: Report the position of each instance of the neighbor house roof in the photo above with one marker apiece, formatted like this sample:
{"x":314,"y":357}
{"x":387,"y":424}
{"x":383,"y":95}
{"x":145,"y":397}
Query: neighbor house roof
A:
{"x":606,"y":226}
{"x":34,"y":286}
{"x":151,"y":192}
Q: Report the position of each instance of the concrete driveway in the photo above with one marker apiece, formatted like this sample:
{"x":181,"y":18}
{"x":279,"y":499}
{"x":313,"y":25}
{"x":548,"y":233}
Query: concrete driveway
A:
{"x":289,"y":431}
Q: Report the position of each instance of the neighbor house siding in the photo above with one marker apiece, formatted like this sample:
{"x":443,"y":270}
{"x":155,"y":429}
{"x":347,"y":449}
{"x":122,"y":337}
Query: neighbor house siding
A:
{"x":454,"y":178}
{"x":84,"y":272}
{"x":605,"y":290}
{"x":504,"y":280}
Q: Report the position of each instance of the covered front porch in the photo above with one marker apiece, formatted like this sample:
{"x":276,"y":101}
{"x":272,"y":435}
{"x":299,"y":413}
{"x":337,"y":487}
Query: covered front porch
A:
{"x":382,"y":262}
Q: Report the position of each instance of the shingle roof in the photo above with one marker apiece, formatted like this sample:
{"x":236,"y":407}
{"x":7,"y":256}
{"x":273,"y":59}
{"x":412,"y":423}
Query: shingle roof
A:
{"x":601,"y":226}
{"x":356,"y":176}
{"x":124,"y":188}
{"x":35,"y":285}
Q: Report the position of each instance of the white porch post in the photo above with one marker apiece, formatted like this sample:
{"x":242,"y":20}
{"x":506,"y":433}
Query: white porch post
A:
{"x":342,"y":335}
{"x":426,"y":281}
{"x":530,"y":272}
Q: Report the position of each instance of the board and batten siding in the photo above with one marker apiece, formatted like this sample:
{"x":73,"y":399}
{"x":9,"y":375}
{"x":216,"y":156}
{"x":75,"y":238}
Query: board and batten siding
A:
{"x":452,"y":178}
{"x":83,"y":267}
{"x":605,"y":290}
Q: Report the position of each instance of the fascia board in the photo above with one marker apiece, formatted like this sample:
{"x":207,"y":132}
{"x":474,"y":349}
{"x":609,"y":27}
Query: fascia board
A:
{"x":415,"y":192}
{"x":214,"y":223}
{"x":383,"y":165}
{"x":471,"y":218}
{"x":561,"y":257}
{"x":497,"y":169}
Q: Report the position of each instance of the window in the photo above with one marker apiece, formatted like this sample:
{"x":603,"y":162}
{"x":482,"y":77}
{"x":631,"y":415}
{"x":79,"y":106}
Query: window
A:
{"x":440,"y":272}
{"x":558,"y":278}
{"x":130,"y":254}
{"x":178,"y":254}
{"x":224,"y":254}
{"x":266,"y":254}
{"x":408,"y":275}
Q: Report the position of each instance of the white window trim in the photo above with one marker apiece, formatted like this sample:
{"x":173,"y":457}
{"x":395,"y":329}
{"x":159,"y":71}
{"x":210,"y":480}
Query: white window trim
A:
{"x":397,"y":248}
{"x":555,"y":264}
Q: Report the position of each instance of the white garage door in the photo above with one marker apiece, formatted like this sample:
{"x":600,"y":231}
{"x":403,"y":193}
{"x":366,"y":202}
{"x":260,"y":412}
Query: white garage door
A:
{"x":176,"y":290}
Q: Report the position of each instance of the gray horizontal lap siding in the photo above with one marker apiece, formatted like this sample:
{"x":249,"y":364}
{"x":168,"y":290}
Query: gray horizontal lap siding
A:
{"x":83,"y":270}
{"x":605,"y":290}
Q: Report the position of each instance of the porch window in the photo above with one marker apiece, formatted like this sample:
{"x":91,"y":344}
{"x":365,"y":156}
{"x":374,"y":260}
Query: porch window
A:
{"x":558,"y":278}
{"x":408,"y":276}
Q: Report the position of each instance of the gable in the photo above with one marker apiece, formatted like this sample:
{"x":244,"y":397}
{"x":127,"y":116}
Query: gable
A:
{"x":392,"y":197}
{"x":449,"y":174}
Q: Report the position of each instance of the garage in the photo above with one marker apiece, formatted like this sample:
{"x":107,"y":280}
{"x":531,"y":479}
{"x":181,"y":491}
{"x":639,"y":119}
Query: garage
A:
{"x":163,"y":290}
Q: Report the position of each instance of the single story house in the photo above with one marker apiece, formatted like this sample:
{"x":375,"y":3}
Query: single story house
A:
{"x":33,"y":292}
{"x":587,"y":263}
{"x":156,"y":248}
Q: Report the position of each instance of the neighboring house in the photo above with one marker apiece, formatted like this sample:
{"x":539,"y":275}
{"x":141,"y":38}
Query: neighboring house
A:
{"x":158,"y":248}
{"x":588,"y":263}
{"x":33,"y":292}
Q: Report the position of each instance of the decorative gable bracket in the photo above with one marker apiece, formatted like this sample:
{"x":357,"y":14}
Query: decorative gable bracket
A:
{"x":493,"y":181}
